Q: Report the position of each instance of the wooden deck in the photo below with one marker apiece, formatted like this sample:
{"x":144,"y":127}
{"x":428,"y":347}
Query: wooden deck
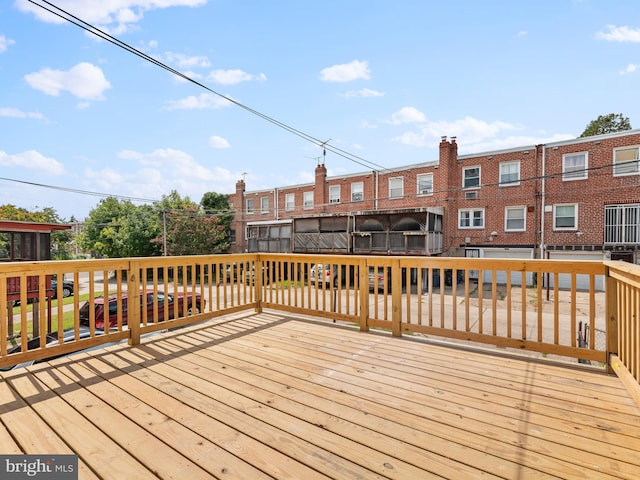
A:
{"x":272,"y":396}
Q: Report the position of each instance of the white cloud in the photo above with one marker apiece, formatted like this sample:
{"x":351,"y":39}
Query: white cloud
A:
{"x":346,"y":72}
{"x":15,"y":113}
{"x":201,"y":102}
{"x":470,"y":129}
{"x":620,"y":34}
{"x":522,"y":33}
{"x":407,"y":115}
{"x":84,"y":80}
{"x":4,"y":43}
{"x":218,"y":142}
{"x":112,"y":16}
{"x":362,"y":93}
{"x":232,"y":77}
{"x":632,"y":67}
{"x":32,"y":160}
{"x":184,"y":61}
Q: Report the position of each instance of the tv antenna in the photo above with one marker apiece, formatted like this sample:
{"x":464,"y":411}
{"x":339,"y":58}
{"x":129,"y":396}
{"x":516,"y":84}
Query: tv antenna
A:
{"x":324,"y":150}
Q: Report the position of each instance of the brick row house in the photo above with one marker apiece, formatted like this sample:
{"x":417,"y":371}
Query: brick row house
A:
{"x":575,"y":199}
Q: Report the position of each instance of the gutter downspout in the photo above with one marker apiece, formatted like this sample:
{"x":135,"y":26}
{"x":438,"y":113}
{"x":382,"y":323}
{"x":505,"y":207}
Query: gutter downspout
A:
{"x":375,"y":205}
{"x":275,"y":204}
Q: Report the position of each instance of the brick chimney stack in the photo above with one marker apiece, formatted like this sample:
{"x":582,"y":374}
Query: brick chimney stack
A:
{"x":320,"y":191}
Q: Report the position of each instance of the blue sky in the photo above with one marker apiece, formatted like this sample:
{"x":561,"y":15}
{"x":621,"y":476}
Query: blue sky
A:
{"x":382,"y":81}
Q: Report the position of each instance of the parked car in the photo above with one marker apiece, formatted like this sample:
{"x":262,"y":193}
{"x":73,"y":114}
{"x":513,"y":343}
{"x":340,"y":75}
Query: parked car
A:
{"x":110,"y":311}
{"x":376,"y":278}
{"x":320,"y":272}
{"x":68,"y":288}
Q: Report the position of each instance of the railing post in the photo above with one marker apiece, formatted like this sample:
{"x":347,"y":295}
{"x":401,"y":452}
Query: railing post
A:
{"x":363,"y":277}
{"x":611,"y":309}
{"x":258,"y":273}
{"x":133,"y":302}
{"x":396,"y":299}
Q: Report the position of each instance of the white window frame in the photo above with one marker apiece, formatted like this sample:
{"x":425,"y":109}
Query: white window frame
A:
{"x":250,"y":206}
{"x":290,"y":202}
{"x":465,"y":179}
{"x":334,"y":194}
{"x":505,"y":165}
{"x":357,"y":192}
{"x":621,"y":167}
{"x":264,"y":204}
{"x":572,"y":172}
{"x":469,"y":215}
{"x":575,"y":216}
{"x":397,"y":190}
{"x":307,"y":200}
{"x":424,"y":184}
{"x":507,"y":211}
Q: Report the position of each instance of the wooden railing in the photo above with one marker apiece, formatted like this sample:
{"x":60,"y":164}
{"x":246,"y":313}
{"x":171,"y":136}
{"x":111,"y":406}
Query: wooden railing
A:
{"x":555,"y":309}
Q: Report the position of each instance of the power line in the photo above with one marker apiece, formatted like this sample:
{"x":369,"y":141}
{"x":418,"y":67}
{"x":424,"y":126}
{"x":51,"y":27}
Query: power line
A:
{"x":59,"y":12}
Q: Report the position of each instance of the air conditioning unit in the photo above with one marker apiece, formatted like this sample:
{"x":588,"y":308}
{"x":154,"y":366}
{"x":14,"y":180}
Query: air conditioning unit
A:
{"x":470,"y":195}
{"x":356,"y":197}
{"x":334,"y":200}
{"x":425,"y":191}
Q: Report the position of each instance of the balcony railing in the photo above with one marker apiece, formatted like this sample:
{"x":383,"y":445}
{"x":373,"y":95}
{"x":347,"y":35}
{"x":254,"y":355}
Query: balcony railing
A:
{"x":533,"y":306}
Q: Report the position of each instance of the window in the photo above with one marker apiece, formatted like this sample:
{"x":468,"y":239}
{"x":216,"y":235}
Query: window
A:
{"x":232,"y":236}
{"x":425,"y":184}
{"x":264,"y":205}
{"x":625,"y":161}
{"x":396,"y":187}
{"x":357,"y":192}
{"x":622,"y":224}
{"x":565,"y":217}
{"x":510,"y":173}
{"x":471,"y":177}
{"x":471,"y":218}
{"x":515,"y":219}
{"x":250,"y":206}
{"x":334,"y":194}
{"x":307,"y":200}
{"x":289,"y":202}
{"x":574,"y":166}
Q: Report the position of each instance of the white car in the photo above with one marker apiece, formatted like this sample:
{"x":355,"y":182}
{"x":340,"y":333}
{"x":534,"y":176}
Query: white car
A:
{"x":320,"y":271}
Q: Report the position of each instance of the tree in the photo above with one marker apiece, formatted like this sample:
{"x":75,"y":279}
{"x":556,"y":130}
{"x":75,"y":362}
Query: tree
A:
{"x":614,"y":122}
{"x":117,"y":228}
{"x":191,"y":232}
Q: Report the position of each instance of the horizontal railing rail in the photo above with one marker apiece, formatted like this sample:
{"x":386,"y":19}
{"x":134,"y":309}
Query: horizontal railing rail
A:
{"x":554,"y":308}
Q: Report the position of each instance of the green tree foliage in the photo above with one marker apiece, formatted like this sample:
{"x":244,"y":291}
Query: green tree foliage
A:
{"x":61,"y":240}
{"x":217,"y":204}
{"x":191,"y":232}
{"x":116,"y":228}
{"x":614,"y":122}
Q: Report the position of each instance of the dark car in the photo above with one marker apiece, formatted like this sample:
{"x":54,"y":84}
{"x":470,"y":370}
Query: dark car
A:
{"x":193,"y":305}
{"x":67,"y":288}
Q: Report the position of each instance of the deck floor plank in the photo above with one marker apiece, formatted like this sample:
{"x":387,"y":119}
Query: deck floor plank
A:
{"x":275,"y":396}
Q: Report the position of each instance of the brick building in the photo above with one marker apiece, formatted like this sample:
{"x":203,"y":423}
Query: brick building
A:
{"x":572,"y":199}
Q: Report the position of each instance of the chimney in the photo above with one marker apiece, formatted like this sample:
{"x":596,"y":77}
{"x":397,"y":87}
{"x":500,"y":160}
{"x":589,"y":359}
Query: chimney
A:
{"x":320,"y":194}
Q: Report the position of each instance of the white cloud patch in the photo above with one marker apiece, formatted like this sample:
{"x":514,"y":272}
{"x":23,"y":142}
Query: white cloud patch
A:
{"x":620,"y":34}
{"x":346,"y":72}
{"x":4,"y":43}
{"x":32,"y":160}
{"x":631,"y":68}
{"x":232,"y":77}
{"x":115,"y":17}
{"x":408,"y":115}
{"x":16,"y":113}
{"x":204,"y":101}
{"x":362,"y":93}
{"x":472,"y":130}
{"x":84,"y":80}
{"x":522,"y":33}
{"x":184,"y":61}
{"x":218,"y":142}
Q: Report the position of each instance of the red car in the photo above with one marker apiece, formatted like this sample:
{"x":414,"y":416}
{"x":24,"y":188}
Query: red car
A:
{"x":193,"y":301}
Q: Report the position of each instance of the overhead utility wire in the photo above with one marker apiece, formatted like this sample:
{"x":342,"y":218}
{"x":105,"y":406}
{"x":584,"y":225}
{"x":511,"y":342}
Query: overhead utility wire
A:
{"x":105,"y":36}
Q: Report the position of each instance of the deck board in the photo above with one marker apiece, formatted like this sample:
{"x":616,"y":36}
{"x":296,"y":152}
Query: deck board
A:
{"x":267,"y":395}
